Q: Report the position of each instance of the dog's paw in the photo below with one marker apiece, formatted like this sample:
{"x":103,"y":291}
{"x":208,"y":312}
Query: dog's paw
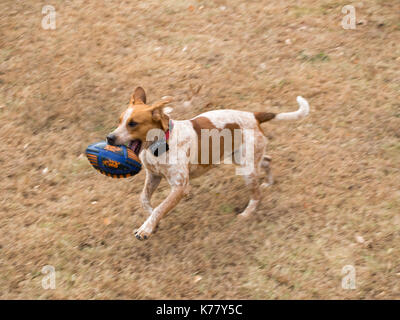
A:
{"x":143,"y":233}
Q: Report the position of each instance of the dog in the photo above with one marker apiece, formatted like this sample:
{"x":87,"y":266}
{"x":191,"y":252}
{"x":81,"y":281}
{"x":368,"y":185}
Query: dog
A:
{"x":183,"y":142}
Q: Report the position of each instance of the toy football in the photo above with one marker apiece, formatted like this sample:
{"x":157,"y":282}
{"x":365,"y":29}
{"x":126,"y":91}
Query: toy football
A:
{"x":113,"y":161}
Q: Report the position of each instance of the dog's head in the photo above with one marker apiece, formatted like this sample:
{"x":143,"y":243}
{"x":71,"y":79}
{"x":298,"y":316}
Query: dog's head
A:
{"x":138,"y":119}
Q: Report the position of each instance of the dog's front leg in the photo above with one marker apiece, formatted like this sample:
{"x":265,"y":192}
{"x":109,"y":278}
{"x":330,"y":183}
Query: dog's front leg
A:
{"x":150,"y":185}
{"x":176,"y":194}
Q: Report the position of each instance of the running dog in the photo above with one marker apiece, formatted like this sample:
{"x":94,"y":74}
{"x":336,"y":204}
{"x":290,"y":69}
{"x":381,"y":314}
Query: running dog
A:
{"x":183,"y":150}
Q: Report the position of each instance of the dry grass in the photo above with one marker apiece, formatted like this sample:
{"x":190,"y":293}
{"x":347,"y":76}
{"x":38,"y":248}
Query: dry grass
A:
{"x":337,"y":172}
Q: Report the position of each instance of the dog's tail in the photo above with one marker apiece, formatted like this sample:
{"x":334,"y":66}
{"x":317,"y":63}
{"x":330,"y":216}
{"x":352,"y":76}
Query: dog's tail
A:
{"x":302,"y":112}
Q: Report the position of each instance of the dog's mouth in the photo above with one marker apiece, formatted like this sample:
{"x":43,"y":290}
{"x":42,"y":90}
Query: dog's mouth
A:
{"x":135,"y":146}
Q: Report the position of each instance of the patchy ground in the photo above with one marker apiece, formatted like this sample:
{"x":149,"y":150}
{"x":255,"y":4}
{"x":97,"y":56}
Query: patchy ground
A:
{"x":336,"y":200}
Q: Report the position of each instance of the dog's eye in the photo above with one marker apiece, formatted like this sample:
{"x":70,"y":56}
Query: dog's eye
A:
{"x":132,"y":123}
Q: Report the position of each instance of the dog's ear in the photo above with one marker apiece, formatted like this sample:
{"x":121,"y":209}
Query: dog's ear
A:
{"x":160,"y":114}
{"x":138,"y":96}
{"x":164,"y":100}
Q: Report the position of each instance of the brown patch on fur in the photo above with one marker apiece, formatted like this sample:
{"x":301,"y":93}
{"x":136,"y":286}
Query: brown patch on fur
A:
{"x":232,"y":126}
{"x":143,"y":116}
{"x":200,"y":123}
{"x":147,"y":118}
{"x":264,"y":116}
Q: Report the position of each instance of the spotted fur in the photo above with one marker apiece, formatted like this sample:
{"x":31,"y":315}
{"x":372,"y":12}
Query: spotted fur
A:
{"x":183,"y":160}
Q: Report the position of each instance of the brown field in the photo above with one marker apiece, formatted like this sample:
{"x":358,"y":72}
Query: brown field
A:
{"x":336,"y":200}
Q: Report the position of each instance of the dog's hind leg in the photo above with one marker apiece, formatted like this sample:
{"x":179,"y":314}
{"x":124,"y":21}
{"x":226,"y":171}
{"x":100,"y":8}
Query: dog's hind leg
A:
{"x":252,"y":182}
{"x":266,"y":166}
{"x":250,"y":159}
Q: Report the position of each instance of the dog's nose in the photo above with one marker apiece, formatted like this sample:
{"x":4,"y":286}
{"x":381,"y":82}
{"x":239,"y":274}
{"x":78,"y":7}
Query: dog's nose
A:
{"x":111,"y":139}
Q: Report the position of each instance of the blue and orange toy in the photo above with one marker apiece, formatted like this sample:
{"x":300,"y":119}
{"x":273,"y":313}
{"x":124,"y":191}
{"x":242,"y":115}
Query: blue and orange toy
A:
{"x":113,"y":161}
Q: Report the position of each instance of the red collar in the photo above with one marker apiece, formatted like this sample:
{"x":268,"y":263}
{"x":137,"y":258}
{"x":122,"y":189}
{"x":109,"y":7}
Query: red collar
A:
{"x":167,"y":133}
{"x":160,"y":146}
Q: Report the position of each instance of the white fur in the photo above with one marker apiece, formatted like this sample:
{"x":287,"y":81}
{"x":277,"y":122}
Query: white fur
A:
{"x":122,"y":132}
{"x":220,"y":118}
{"x":302,"y":112}
{"x":183,"y":140}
